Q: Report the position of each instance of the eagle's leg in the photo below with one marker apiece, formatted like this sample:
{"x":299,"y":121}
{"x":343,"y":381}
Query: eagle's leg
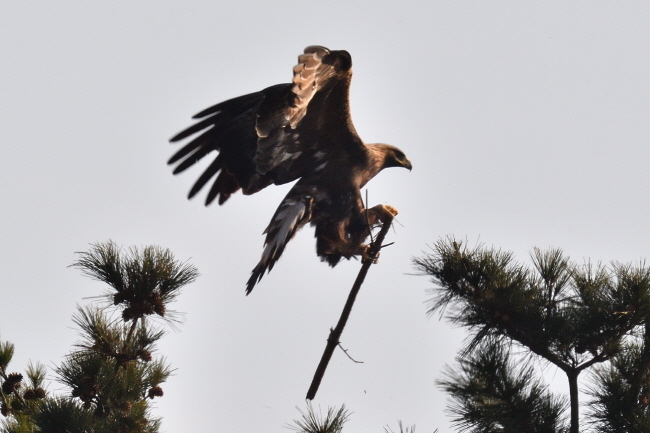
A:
{"x":335,"y":242}
{"x":379,"y":213}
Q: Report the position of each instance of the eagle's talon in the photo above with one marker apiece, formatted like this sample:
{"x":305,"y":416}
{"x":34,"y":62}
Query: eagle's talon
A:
{"x":366,"y":255}
{"x":388,"y":211}
{"x":380,"y":213}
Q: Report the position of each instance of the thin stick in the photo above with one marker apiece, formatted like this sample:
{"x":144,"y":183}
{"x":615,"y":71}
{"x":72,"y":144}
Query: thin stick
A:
{"x":335,"y":334}
{"x":372,"y":239}
{"x":348,"y":355}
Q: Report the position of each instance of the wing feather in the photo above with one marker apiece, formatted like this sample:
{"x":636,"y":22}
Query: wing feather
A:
{"x":293,"y":129}
{"x":224,"y":186}
{"x":205,"y":177}
{"x":192,"y":159}
{"x":229,"y":105}
{"x":205,"y":123}
{"x":309,"y":76}
{"x":293,"y":213}
{"x":189,"y":148}
{"x":271,"y":136}
{"x":229,"y":129}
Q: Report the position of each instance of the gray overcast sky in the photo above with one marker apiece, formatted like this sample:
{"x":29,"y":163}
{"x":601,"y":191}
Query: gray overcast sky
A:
{"x":527,"y":125}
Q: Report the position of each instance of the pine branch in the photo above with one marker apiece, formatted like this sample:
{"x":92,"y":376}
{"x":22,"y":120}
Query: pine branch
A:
{"x":488,"y":389}
{"x":143,"y":281}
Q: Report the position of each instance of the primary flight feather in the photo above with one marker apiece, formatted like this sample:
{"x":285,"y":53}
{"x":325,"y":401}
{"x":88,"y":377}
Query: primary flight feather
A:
{"x":300,"y":130}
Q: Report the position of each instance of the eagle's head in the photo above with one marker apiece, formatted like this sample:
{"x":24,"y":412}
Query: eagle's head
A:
{"x":393,"y":157}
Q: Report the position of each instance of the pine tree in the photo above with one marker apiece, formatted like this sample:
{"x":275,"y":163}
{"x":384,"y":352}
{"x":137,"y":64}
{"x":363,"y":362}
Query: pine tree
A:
{"x":112,"y":373}
{"x":577,"y":318}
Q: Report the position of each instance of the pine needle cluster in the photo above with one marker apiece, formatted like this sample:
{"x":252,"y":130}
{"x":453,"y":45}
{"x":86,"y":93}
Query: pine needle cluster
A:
{"x":141,"y":282}
{"x":314,"y":422}
{"x":620,"y":390}
{"x":490,"y":393}
{"x":574,"y":317}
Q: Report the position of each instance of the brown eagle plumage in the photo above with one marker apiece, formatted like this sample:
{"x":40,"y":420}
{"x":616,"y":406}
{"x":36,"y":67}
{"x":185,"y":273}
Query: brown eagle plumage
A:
{"x":300,"y":130}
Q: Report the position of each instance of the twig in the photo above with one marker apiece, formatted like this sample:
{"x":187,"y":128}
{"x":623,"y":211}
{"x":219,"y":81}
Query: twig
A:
{"x":351,"y":358}
{"x":335,"y":334}
{"x":372,"y":239}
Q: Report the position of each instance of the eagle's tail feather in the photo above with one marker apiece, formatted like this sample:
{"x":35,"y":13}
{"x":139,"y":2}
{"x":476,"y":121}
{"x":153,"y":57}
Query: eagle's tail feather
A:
{"x":256,"y":277}
{"x":293,"y":213}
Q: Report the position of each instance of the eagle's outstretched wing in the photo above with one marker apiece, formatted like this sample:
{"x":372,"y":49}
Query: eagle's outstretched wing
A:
{"x":271,"y":137}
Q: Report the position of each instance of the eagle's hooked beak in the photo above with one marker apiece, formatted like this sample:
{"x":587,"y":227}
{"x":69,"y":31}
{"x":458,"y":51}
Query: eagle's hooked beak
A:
{"x":407,"y":164}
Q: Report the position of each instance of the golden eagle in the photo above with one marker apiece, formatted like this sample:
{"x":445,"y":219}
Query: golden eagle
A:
{"x":300,"y":130}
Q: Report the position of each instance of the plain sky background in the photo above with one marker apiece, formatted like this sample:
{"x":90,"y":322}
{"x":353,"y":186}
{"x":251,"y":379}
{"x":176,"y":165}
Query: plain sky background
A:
{"x":526,"y":122}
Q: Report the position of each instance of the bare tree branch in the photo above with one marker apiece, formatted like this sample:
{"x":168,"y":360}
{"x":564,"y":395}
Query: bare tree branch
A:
{"x":335,"y":334}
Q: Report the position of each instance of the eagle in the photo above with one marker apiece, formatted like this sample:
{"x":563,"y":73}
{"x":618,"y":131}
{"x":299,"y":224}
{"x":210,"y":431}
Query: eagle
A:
{"x":295,"y":131}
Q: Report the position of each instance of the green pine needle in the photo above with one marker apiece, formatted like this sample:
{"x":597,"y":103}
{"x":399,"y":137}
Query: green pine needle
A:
{"x":6,"y":354}
{"x":312,"y":422}
{"x":143,"y":281}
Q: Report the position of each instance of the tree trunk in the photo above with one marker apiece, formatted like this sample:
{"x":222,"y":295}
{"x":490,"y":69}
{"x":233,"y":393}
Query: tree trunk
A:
{"x":575,"y":406}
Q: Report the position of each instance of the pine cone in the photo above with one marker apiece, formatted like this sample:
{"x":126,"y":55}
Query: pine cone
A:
{"x":144,"y":355}
{"x":7,"y":387}
{"x":160,"y":309}
{"x":118,"y":298}
{"x":15,"y":377}
{"x":34,"y":393}
{"x":156,"y":391}
{"x":12,"y":383}
{"x":157,"y":304}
